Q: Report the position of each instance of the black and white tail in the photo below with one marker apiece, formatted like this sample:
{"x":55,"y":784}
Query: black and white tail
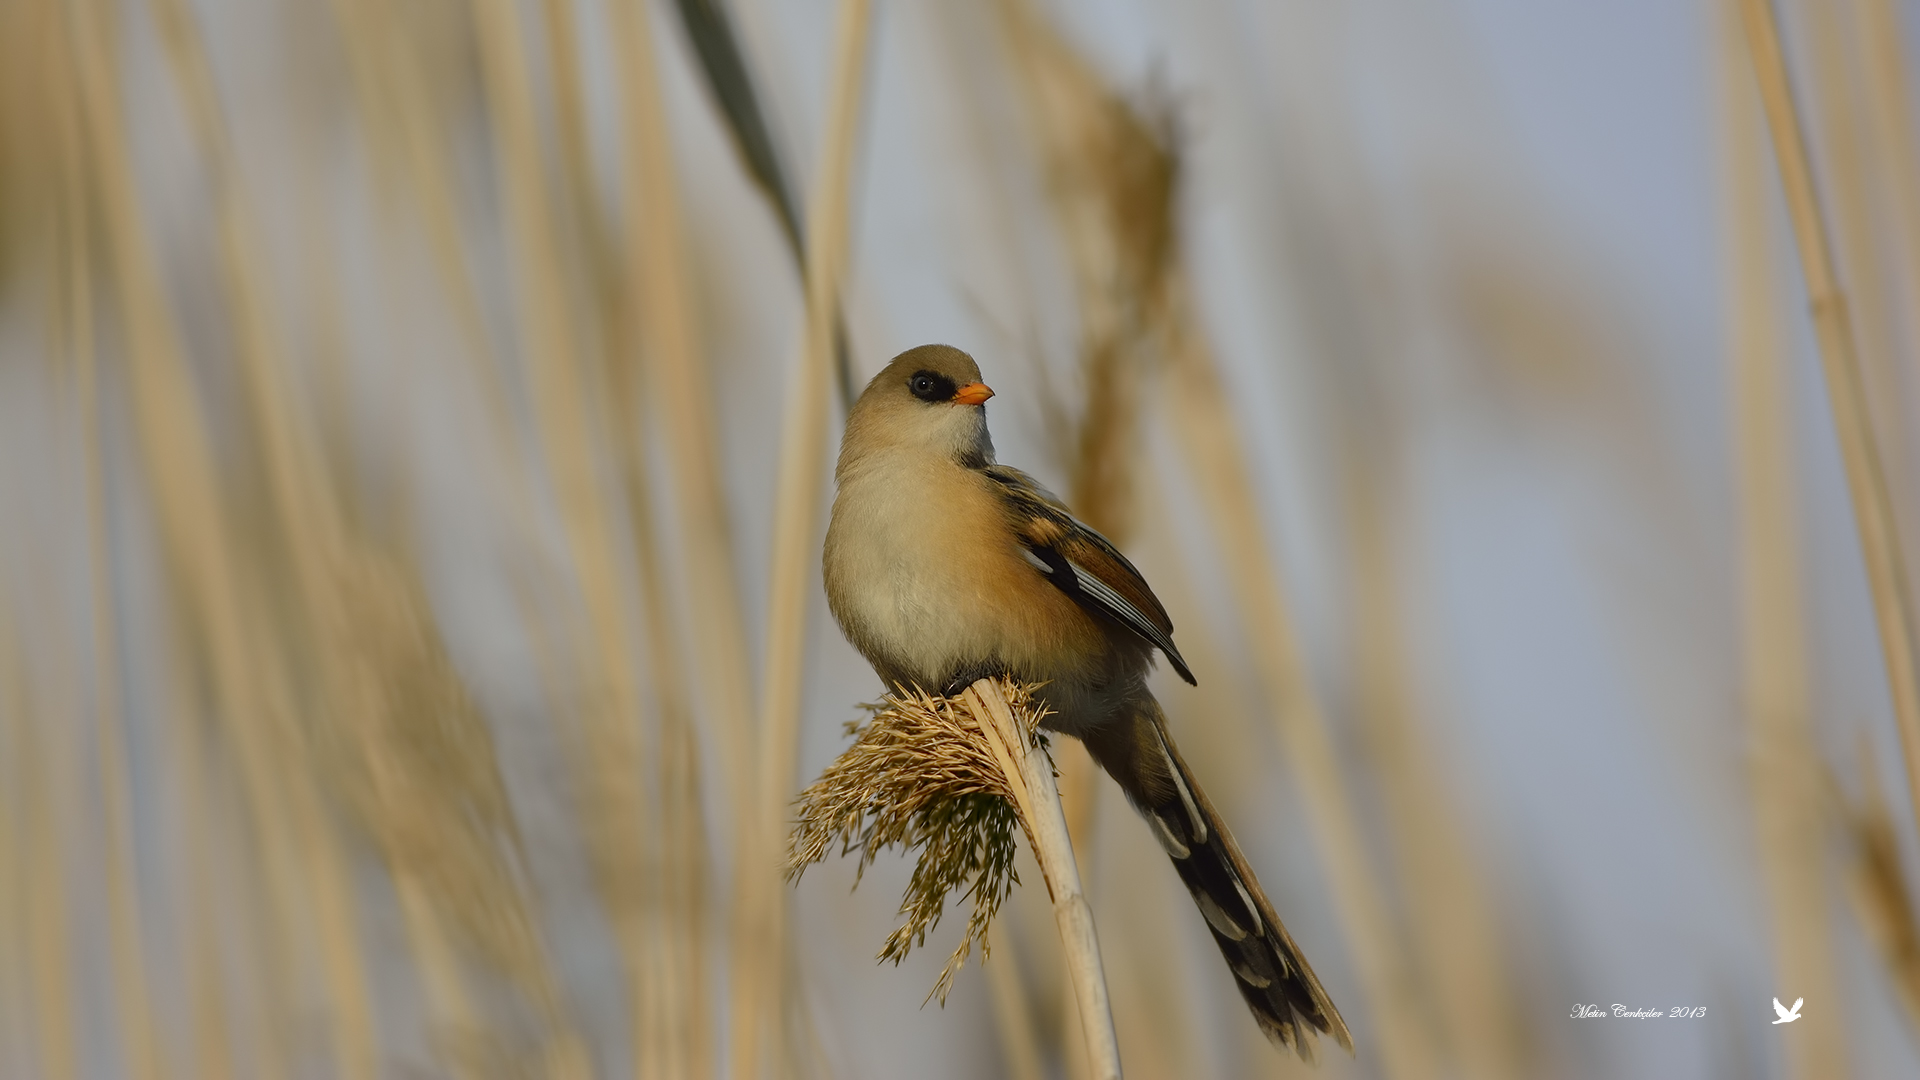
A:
{"x":1273,"y":977}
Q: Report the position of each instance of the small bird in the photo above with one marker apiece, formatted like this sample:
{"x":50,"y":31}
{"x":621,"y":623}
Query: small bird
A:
{"x":1788,"y":1016}
{"x":943,"y":567}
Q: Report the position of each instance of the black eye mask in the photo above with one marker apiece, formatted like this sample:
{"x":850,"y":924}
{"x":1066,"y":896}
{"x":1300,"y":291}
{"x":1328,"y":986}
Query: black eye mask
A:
{"x":931,"y":386}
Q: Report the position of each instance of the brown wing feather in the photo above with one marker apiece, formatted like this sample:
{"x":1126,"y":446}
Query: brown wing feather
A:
{"x":1084,"y":564}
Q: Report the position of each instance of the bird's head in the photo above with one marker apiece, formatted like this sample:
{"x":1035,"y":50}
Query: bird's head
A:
{"x":930,"y":400}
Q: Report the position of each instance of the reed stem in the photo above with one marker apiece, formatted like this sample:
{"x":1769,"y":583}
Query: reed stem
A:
{"x":1789,"y":812}
{"x":1030,"y":772}
{"x":1203,"y":420}
{"x":803,"y":447}
{"x":1866,"y":480}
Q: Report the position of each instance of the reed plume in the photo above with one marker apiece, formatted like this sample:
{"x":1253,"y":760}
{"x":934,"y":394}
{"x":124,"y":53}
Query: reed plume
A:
{"x":950,"y":777}
{"x":922,"y":777}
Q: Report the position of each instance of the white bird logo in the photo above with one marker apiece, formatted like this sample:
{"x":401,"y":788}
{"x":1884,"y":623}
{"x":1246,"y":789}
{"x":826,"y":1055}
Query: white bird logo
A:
{"x":1787,"y":1016}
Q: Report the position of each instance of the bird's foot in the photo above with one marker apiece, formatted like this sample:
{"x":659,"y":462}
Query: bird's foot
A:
{"x":971,"y":674}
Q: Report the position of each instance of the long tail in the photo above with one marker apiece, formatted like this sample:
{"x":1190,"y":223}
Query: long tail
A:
{"x":1267,"y":966}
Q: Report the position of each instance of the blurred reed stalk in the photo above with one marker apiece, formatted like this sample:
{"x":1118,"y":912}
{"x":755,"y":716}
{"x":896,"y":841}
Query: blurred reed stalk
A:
{"x":411,"y":93}
{"x":628,"y":841}
{"x":47,"y":871}
{"x":75,"y":340}
{"x":1880,"y":35}
{"x":211,"y":1046}
{"x":1109,"y":177}
{"x":796,"y":516}
{"x":1866,"y":482}
{"x":19,"y":1036}
{"x":401,"y":744}
{"x":661,"y":330}
{"x":1165,"y":1003}
{"x":1437,"y":876}
{"x":1853,"y":167}
{"x":1878,"y":887}
{"x":1013,"y":1015}
{"x":1791,"y":813}
{"x":723,"y":62}
{"x":1104,"y":221}
{"x":249,"y":678}
{"x":1893,"y":159}
{"x":1130,"y":234}
{"x":664,"y":330}
{"x":43,"y":872}
{"x":1452,"y":920}
{"x":1205,"y":425}
{"x":579,"y":208}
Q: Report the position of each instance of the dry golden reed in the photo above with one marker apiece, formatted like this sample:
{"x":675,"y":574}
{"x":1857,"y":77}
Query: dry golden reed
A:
{"x":308,"y":723}
{"x":1790,"y":813}
{"x":922,"y":776}
{"x":1113,"y":171}
{"x":1875,"y":522}
{"x":1110,"y":170}
{"x":1882,"y":897}
{"x":763,"y":994}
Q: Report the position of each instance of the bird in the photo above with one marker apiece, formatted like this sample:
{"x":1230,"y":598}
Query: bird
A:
{"x":943,"y":567}
{"x":1788,"y":1016}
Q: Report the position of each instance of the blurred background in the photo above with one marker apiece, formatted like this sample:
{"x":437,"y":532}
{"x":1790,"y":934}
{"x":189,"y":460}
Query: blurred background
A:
{"x":415,"y":431}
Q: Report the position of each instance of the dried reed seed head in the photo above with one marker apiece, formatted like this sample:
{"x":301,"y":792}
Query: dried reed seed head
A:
{"x":1113,"y":165}
{"x":922,"y":776}
{"x":1113,"y":162}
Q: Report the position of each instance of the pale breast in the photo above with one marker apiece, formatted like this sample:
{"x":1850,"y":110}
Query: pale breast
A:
{"x":927,"y":581}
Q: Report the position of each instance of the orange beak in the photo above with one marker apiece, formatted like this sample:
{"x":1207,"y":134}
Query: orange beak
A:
{"x":973,"y":394}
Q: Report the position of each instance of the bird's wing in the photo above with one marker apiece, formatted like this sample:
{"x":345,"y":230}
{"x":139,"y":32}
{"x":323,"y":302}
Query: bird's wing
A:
{"x":1797,"y":1002}
{"x":1779,"y":1008}
{"x":1082,"y":563}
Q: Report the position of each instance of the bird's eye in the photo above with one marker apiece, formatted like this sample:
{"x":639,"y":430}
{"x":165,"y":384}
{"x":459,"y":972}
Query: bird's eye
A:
{"x":930,"y":387}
